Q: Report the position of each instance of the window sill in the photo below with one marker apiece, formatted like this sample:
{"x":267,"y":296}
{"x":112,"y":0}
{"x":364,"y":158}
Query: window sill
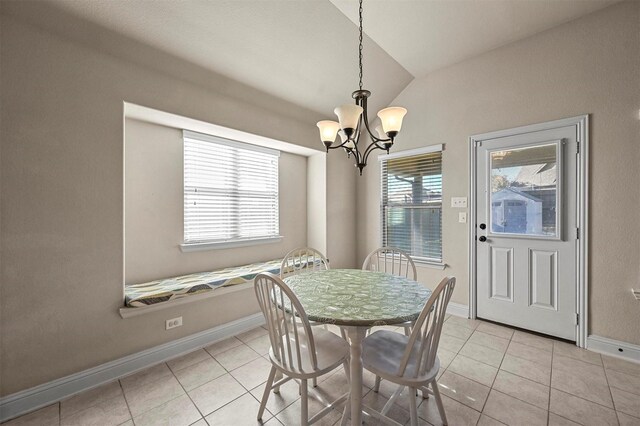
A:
{"x":189,"y":247}
{"x":128,"y":312}
{"x":431,"y":265}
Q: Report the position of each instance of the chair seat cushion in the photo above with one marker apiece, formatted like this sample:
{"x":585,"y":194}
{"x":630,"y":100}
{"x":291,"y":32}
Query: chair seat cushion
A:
{"x":382,"y":354}
{"x":331,"y":351}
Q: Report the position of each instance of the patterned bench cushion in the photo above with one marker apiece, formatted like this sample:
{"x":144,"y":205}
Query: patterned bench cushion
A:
{"x":144,"y":294}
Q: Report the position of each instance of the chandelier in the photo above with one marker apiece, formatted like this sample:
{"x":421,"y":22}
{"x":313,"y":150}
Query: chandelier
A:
{"x":353,"y":119}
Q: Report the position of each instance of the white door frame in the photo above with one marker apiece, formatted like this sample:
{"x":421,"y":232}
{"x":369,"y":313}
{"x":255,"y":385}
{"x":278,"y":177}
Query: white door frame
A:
{"x":581,"y":124}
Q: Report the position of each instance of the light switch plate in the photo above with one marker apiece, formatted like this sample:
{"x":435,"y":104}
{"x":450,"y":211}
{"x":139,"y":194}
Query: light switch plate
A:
{"x":462,"y":217}
{"x":459,"y":202}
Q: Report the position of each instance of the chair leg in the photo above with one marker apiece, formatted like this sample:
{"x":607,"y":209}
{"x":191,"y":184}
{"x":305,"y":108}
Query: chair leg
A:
{"x":413,"y":407}
{"x":278,"y":376}
{"x":267,"y":391}
{"x":314,"y":381}
{"x":376,"y":387}
{"x":436,"y":393}
{"x":304,"y":403}
{"x":407,"y":330}
{"x":345,"y":412}
{"x":347,"y":371}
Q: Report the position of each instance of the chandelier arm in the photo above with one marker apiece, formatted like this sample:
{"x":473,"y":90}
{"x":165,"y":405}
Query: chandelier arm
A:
{"x":372,"y":147}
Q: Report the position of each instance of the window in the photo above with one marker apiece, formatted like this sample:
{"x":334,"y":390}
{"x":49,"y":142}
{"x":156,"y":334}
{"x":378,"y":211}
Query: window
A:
{"x":412,"y":202}
{"x":230,"y":192}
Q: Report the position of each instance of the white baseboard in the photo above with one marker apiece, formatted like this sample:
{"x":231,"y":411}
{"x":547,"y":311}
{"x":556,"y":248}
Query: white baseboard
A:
{"x":48,"y":393}
{"x":458,"y":310}
{"x":615,"y":348}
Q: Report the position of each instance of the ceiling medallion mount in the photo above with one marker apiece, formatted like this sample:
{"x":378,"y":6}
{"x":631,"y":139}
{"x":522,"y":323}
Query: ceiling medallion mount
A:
{"x":353,"y":118}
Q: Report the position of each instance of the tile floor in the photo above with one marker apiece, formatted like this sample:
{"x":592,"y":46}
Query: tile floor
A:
{"x":490,"y":375}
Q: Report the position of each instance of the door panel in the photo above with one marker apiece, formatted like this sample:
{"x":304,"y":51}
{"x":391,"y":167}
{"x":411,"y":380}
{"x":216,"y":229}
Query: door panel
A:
{"x":526,"y":203}
{"x":502,"y":273}
{"x":544,"y":278}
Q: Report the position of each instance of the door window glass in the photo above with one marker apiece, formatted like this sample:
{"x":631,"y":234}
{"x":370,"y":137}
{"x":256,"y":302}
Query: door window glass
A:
{"x":524,"y":191}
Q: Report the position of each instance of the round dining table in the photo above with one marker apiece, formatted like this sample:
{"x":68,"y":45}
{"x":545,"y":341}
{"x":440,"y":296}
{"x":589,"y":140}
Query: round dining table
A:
{"x":358,"y":300}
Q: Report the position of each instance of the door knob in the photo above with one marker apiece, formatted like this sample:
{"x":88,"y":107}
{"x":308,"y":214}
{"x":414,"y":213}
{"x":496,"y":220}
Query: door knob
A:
{"x":482,"y":239}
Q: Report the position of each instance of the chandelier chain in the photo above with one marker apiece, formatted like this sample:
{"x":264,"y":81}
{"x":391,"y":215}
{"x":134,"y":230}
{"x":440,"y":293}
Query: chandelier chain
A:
{"x":360,"y":46}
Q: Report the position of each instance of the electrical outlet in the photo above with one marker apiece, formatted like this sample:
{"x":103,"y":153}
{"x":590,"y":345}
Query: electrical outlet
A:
{"x":462,"y":217}
{"x":459,"y":202}
{"x":173,"y":323}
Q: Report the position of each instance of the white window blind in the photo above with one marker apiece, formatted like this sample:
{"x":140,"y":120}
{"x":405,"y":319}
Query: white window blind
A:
{"x":230,"y":190}
{"x":411,"y":208}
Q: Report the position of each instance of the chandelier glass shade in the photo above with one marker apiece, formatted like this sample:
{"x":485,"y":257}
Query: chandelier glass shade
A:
{"x":353,"y":120}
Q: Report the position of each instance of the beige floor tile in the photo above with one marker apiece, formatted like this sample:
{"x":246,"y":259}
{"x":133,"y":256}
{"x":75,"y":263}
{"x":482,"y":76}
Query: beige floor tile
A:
{"x":512,"y":411}
{"x":456,"y":331}
{"x":291,"y":414}
{"x":495,"y":330}
{"x":626,"y":420}
{"x":387,"y":389}
{"x":146,"y":376}
{"x":89,"y":398}
{"x":273,"y":422}
{"x":47,"y":416}
{"x":482,"y":354}
{"x":240,"y":412}
{"x":527,"y":369}
{"x":377,"y":402}
{"x":252,"y":374}
{"x":261,"y":344}
{"x":450,"y":343}
{"x":529,"y":353}
{"x":445,"y":357}
{"x":572,"y":351}
{"x":488,"y":421}
{"x":489,"y":341}
{"x":177,"y":412}
{"x":223,"y":345}
{"x":198,"y":374}
{"x":201,"y":422}
{"x":110,"y":412}
{"x":463,"y":322}
{"x":457,"y":414}
{"x":463,"y":390}
{"x":626,"y":402}
{"x":216,"y":393}
{"x":529,"y":339}
{"x":474,"y":370}
{"x":621,"y":365}
{"x":130,"y":423}
{"x":143,"y":398}
{"x":580,"y":410}
{"x":523,"y":389}
{"x":236,"y":357}
{"x":277,"y":402}
{"x":252,"y":334}
{"x":625,"y":382}
{"x":581,"y":379}
{"x":188,"y":360}
{"x":556,"y":420}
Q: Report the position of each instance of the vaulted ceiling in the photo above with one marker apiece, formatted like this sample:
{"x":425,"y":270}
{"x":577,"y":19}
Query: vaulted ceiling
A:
{"x":305,"y":51}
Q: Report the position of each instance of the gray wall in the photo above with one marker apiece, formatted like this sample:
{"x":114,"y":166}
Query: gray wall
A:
{"x":590,"y":65}
{"x":63,"y":83}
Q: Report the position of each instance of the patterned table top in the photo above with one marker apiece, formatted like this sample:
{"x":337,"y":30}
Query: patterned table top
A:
{"x":358,"y":298}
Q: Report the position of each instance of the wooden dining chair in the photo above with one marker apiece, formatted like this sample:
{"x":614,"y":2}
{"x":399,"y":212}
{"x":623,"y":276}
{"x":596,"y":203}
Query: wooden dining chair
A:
{"x":303,"y":259}
{"x":296,"y":351}
{"x":393,"y":261}
{"x":412,"y":361}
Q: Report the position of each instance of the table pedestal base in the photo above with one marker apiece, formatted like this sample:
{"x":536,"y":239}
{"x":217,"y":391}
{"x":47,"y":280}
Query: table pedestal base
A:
{"x":356,"y":335}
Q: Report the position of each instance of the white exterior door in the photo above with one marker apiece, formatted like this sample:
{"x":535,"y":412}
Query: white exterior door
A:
{"x":526,"y":231}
